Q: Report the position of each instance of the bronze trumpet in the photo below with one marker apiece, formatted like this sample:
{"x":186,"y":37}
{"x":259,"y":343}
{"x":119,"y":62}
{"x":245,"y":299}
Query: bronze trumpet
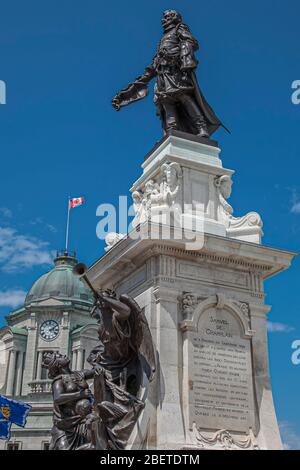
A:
{"x":80,"y":270}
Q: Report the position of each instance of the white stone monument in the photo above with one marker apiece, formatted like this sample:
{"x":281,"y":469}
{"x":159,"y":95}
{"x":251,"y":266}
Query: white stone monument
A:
{"x":204,"y":300}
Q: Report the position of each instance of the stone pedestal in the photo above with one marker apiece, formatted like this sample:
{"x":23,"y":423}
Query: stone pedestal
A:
{"x":188,"y":178}
{"x":204,"y":303}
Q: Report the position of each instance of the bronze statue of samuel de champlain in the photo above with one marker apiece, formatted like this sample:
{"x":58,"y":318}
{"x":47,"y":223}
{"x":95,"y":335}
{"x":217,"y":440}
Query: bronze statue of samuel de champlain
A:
{"x":177,"y":96}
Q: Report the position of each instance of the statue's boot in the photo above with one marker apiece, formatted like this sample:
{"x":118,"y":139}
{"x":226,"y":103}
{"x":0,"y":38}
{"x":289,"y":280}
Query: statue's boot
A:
{"x":201,"y":127}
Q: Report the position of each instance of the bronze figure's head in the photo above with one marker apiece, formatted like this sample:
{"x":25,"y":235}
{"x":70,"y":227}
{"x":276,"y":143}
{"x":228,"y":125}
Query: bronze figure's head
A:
{"x":55,"y":363}
{"x":170,"y":18}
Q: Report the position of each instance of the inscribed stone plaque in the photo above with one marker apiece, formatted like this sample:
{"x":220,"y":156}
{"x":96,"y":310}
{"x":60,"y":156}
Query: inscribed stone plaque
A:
{"x":221,"y":387}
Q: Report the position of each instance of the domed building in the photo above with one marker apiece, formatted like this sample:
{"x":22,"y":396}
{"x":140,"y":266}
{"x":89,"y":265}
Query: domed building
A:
{"x":55,"y":317}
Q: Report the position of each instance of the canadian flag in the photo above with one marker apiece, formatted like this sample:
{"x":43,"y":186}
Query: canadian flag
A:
{"x":76,"y":201}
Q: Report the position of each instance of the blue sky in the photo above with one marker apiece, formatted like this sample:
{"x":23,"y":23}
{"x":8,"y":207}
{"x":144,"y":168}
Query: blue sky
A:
{"x":62,"y":62}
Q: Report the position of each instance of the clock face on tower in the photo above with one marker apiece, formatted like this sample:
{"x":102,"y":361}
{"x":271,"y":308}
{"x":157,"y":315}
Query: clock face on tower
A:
{"x":49,"y":330}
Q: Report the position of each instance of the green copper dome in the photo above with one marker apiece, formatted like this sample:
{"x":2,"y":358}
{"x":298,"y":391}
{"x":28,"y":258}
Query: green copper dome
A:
{"x":60,"y":283}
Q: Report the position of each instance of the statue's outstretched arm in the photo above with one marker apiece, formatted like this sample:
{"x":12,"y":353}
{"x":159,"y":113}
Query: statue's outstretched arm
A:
{"x":136,"y":90}
{"x":121,"y":310}
{"x":149,"y":74}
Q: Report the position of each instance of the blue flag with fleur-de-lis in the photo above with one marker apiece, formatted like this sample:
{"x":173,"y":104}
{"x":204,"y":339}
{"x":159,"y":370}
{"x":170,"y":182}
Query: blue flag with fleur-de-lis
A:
{"x":12,"y":412}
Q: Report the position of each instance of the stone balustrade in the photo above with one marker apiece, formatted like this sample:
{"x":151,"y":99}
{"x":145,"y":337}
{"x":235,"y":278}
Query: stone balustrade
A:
{"x":40,"y":386}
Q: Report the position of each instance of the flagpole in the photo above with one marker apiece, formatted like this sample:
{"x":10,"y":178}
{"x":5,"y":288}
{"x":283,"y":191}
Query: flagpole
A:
{"x":68,"y":223}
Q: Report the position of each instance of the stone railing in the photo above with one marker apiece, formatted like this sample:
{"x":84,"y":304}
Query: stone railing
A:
{"x":40,"y":386}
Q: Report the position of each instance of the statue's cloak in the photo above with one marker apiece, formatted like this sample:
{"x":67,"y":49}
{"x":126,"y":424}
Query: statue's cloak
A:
{"x":212,"y":120}
{"x":139,"y":89}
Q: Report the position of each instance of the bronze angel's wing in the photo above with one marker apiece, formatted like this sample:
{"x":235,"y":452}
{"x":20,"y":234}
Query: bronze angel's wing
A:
{"x":141,"y":335}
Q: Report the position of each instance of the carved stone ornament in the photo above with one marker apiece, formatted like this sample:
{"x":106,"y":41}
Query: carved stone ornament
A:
{"x":158,"y":195}
{"x":225,"y":440}
{"x":244,"y":308}
{"x":224,"y":189}
{"x":112,"y":239}
{"x":249,"y":222}
{"x":189,"y":302}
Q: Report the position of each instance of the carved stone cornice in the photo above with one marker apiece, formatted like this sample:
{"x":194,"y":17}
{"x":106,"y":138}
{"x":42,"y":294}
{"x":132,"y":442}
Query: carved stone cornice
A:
{"x":219,"y":251}
{"x":158,"y":249}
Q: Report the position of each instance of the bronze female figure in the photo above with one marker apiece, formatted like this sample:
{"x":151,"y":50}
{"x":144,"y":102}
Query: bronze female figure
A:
{"x":73,"y":402}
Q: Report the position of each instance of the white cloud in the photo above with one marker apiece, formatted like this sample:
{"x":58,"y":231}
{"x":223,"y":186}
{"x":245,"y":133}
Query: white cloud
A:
{"x":12,"y":298}
{"x":290,"y":438}
{"x":295,"y":208}
{"x":19,"y":252}
{"x":273,"y":327}
{"x":51,"y":228}
{"x":40,"y":221}
{"x":295,"y":201}
{"x":5,"y":212}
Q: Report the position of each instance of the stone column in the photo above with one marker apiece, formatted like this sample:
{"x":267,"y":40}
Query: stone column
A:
{"x":169,"y":418}
{"x":30,"y":355}
{"x":39,"y":365}
{"x":19,"y":373}
{"x":11,"y":373}
{"x":74,"y":359}
{"x":79,"y":364}
{"x":268,"y":432}
{"x":65,"y":331}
